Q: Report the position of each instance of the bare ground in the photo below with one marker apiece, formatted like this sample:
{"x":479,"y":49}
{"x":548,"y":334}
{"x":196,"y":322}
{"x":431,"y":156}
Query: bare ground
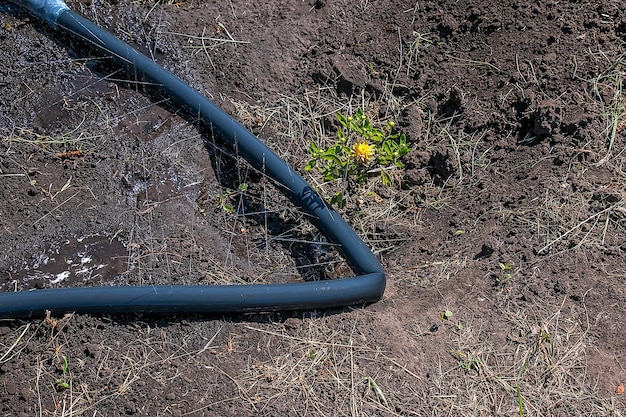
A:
{"x":504,"y":241}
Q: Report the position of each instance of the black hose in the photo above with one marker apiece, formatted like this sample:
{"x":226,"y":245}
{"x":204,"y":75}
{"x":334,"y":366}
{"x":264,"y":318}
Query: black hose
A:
{"x":366,"y":288}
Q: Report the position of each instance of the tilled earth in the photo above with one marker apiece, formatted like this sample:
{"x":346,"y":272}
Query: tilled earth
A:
{"x":503,"y":238}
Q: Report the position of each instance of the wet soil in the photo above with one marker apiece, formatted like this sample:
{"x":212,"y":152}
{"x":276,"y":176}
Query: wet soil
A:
{"x":504,"y":242}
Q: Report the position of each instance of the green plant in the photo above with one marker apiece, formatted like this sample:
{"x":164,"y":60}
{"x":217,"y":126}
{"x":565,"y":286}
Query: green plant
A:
{"x":467,"y":361}
{"x":505,"y":273}
{"x":371,"y":383}
{"x":518,"y":390}
{"x":228,"y":194}
{"x":338,"y":200}
{"x":65,"y":380}
{"x":445,"y":315}
{"x":361,"y":149}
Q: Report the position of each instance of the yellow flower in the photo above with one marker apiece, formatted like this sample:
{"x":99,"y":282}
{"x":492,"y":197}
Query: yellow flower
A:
{"x":362,"y":151}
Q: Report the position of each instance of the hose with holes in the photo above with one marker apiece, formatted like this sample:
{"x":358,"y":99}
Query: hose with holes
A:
{"x":367,"y":287}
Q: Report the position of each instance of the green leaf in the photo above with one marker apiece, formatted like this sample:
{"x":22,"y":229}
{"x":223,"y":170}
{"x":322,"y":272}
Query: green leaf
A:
{"x":386,"y":178}
{"x":62,"y":384}
{"x":332,"y":157}
{"x":337,"y":200}
{"x":342,"y":119}
{"x":314,"y":150}
{"x":387,"y":148}
{"x":377,"y":137}
{"x":330,"y":176}
{"x":65,"y":366}
{"x":228,"y":208}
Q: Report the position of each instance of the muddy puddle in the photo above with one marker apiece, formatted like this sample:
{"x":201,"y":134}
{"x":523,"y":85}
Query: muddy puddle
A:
{"x":83,"y":261}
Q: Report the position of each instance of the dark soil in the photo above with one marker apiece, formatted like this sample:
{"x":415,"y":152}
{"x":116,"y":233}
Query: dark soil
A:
{"x":504,"y":244}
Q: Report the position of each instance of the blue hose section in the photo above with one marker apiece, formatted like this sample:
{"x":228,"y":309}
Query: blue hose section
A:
{"x":47,"y":10}
{"x":366,"y":288}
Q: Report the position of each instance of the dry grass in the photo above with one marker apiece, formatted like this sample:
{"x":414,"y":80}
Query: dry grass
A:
{"x":585,"y":208}
{"x":324,"y":365}
{"x":565,"y":219}
{"x":328,"y":371}
{"x":67,"y":383}
{"x":431,"y":273}
{"x":607,"y":89}
{"x":71,"y":140}
{"x":539,"y":370}
{"x":205,"y":43}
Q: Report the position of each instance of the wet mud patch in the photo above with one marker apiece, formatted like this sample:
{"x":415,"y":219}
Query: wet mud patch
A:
{"x":73,"y":262}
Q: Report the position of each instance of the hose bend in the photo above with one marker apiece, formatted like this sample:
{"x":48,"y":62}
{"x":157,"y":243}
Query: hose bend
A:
{"x":367,"y":287}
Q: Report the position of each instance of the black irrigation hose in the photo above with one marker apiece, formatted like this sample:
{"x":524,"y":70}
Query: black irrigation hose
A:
{"x":366,"y":288}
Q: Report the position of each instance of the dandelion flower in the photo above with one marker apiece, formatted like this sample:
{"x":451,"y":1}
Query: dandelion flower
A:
{"x":362,"y":151}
